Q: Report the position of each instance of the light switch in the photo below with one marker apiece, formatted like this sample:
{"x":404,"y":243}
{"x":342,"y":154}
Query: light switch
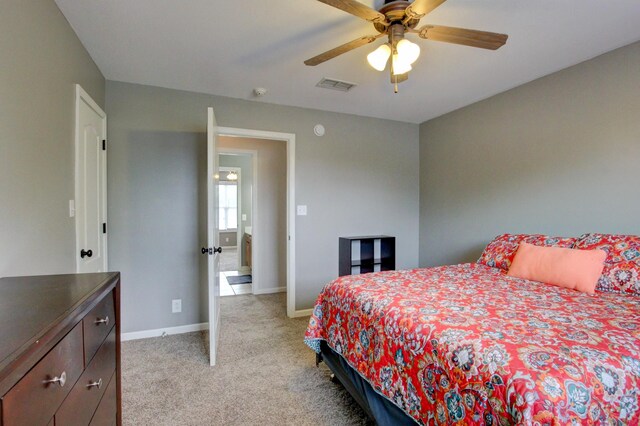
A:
{"x":302,"y":210}
{"x":244,"y":217}
{"x":72,"y":208}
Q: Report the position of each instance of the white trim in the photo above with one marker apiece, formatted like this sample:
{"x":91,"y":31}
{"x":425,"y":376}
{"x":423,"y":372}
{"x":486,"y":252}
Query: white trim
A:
{"x":302,"y":313}
{"x":83,"y":96}
{"x":145,"y":334}
{"x":212,"y":237}
{"x":290,"y":139}
{"x":270,"y":290}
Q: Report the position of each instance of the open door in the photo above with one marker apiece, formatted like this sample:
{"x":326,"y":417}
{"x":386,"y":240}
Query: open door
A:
{"x":213,"y":248}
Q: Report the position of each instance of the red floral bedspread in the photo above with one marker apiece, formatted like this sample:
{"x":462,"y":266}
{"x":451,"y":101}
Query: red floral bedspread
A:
{"x":466,"y":344}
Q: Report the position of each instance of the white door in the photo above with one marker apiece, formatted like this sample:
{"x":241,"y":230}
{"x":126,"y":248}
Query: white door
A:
{"x":213,"y":246}
{"x":91,"y":185}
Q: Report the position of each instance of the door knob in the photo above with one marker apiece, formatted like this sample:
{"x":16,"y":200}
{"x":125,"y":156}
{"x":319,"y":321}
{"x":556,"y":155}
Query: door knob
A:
{"x":84,"y":253}
{"x":210,"y":250}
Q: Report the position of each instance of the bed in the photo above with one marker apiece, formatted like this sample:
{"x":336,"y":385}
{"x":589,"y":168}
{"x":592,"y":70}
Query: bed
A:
{"x":468,"y":344}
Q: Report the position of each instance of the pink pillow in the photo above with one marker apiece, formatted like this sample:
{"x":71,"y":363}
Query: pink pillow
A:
{"x":569,"y":268}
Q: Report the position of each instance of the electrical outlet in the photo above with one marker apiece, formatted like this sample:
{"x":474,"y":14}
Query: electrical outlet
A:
{"x":176,"y":306}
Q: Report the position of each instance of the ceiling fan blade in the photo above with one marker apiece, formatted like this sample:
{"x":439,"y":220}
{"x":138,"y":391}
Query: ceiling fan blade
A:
{"x":473,"y":38}
{"x":337,"y":51}
{"x":358,"y":9}
{"x":420,"y":8}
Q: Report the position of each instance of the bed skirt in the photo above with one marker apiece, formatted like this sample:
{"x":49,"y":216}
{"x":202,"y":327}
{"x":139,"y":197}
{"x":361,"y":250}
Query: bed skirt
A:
{"x":377,"y":407}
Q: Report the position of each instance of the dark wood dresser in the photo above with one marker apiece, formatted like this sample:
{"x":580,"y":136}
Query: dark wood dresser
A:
{"x":60,"y":350}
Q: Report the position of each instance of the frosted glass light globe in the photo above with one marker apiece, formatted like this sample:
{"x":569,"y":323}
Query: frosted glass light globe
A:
{"x":407,"y":51}
{"x":400,"y":66}
{"x":379,"y":57}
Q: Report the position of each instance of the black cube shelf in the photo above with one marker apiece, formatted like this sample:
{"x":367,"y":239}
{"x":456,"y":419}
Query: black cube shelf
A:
{"x":372,"y":253}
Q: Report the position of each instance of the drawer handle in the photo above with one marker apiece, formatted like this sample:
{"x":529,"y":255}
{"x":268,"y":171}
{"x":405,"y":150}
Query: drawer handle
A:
{"x":61,"y":380}
{"x":97,"y":384}
{"x":104,"y":321}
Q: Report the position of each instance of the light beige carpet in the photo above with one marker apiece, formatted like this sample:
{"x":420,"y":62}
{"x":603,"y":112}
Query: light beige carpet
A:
{"x":265,"y":374}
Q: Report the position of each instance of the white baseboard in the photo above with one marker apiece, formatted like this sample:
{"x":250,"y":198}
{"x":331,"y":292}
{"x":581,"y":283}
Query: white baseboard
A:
{"x":269,"y":290}
{"x":302,"y":313}
{"x":144,"y":334}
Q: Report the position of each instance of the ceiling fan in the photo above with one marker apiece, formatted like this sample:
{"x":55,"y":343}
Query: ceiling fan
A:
{"x":395,"y":19}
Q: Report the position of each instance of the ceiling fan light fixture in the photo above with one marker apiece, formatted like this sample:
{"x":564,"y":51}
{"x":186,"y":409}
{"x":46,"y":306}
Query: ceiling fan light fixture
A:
{"x":379,"y":57}
{"x":395,"y":19}
{"x":408,"y":51}
{"x":400,"y":65}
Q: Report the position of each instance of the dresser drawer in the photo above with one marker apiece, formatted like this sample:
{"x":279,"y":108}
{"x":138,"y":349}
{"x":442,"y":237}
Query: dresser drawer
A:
{"x":35,"y":398}
{"x":82,"y":401}
{"x":107,"y":412}
{"x":96,"y":326}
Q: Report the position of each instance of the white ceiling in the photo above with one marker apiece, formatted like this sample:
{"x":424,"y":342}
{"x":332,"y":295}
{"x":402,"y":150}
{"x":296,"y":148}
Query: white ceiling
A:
{"x":230,"y":47}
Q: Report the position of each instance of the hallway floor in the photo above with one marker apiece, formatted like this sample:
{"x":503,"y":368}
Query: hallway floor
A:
{"x":227,"y":289}
{"x":229,"y":268}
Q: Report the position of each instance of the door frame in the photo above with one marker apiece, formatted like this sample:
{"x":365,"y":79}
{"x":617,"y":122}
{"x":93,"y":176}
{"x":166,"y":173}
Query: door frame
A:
{"x":254,"y":204}
{"x":290,"y":139}
{"x":82,"y":96}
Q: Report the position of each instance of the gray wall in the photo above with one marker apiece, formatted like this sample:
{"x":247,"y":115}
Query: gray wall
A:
{"x":41,"y":61}
{"x":360,"y":178}
{"x":228,"y":238}
{"x":269,"y":236}
{"x":559,"y":155}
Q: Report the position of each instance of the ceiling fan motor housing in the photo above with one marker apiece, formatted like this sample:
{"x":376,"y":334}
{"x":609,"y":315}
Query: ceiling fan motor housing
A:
{"x":396,"y":33}
{"x":394,"y":11}
{"x":394,"y":19}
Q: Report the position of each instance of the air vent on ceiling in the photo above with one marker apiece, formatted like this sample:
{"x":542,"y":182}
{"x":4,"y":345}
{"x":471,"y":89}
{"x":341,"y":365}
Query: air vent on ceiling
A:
{"x":330,"y":83}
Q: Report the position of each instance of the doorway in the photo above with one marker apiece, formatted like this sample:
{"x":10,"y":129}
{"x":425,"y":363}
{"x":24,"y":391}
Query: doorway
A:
{"x":236,"y":192}
{"x":272,"y":228}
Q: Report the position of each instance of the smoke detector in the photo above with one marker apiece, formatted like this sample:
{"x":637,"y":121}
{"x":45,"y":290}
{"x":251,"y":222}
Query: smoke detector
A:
{"x":259,"y":91}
